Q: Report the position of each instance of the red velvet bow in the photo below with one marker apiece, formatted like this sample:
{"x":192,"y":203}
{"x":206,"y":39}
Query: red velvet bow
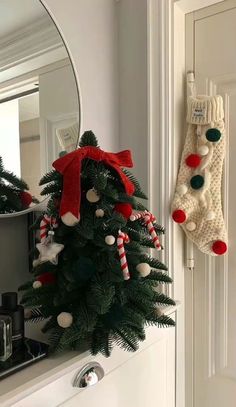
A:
{"x":70,"y":167}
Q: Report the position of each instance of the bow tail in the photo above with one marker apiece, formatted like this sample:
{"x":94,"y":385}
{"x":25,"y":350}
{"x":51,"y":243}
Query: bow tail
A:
{"x":71,"y":195}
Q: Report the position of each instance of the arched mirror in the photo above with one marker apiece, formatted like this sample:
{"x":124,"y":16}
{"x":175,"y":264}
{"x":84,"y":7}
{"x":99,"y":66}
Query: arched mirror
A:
{"x":39,"y":102}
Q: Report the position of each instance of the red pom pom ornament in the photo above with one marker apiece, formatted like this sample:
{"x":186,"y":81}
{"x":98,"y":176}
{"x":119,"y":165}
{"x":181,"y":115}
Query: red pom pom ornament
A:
{"x":219,"y":247}
{"x":47,"y":278}
{"x":179,"y":216}
{"x":26,"y":198}
{"x":193,"y":160}
{"x":124,"y":208}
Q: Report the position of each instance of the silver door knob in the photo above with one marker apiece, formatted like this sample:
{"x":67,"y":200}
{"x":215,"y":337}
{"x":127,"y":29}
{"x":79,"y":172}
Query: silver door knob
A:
{"x":89,"y":375}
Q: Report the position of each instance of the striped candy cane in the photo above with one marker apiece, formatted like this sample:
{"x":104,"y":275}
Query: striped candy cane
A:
{"x":121,"y":239}
{"x":149,"y":219}
{"x":137,"y":215}
{"x":140,"y":215}
{"x":45,"y":222}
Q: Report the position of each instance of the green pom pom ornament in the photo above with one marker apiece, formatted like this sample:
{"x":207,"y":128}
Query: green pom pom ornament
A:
{"x":213,"y":135}
{"x":197,"y":182}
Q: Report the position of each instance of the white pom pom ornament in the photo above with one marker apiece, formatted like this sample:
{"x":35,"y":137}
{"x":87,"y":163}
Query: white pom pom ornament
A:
{"x":210,"y":215}
{"x":191,"y":226}
{"x":69,"y":219}
{"x":110,"y":240}
{"x":203,"y":150}
{"x":99,"y":213}
{"x":92,"y":196}
{"x":65,"y":319}
{"x":37,"y":284}
{"x":182,"y":189}
{"x":144,"y":269}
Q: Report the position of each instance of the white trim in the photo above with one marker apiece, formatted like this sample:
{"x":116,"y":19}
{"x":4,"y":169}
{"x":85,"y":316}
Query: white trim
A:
{"x":187,"y":6}
{"x":34,"y":40}
{"x":160,"y":116}
{"x":15,"y":85}
{"x":162,"y":157}
{"x":37,"y":207}
{"x":48,"y":128}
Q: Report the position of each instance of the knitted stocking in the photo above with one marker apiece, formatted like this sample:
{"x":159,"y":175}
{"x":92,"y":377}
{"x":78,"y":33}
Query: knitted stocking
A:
{"x":197,"y":201}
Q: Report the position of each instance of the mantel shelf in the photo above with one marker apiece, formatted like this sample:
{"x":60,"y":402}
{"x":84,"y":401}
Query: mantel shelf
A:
{"x":46,"y":371}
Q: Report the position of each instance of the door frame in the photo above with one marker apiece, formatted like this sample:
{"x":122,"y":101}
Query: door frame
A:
{"x":164,"y":155}
{"x":162,"y":158}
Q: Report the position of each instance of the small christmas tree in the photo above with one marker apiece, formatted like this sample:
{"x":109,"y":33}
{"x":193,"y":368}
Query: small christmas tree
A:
{"x":102,"y":287}
{"x":13,"y":195}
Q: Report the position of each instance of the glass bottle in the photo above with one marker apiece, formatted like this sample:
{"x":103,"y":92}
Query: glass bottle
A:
{"x":5,"y":337}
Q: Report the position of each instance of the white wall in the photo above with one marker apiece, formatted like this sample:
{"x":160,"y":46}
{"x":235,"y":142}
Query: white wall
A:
{"x":108,"y":43}
{"x":89,"y":29}
{"x":133,"y":120}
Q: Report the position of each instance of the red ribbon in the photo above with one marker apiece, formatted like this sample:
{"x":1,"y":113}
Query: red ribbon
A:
{"x":70,"y":167}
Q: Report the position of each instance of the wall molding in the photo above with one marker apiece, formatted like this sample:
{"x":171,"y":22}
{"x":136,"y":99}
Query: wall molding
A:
{"x":189,"y":6}
{"x":160,"y":117}
{"x":162,"y":159}
{"x":48,"y":143}
{"x":37,"y":38}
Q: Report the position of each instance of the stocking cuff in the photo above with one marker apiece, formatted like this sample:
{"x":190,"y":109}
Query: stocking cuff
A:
{"x":205,"y":109}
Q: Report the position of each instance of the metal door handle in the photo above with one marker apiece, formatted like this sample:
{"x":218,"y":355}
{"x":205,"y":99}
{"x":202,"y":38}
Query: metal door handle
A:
{"x":89,"y":375}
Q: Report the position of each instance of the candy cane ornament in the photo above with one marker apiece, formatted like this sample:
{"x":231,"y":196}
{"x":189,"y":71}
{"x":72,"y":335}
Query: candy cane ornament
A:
{"x":149,"y":219}
{"x":121,"y":239}
{"x":137,"y":215}
{"x":45,"y":222}
{"x":140,"y":215}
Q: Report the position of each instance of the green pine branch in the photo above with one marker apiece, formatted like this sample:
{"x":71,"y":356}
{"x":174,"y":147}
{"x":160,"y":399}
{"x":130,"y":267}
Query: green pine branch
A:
{"x":88,"y":139}
{"x":138,"y":190}
{"x":154,"y":318}
{"x":100,"y":296}
{"x":52,"y":176}
{"x":159,"y":277}
{"x":163,"y":299}
{"x":50,"y":189}
{"x":14,"y":180}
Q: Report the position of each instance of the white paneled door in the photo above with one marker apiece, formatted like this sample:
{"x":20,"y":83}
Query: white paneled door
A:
{"x":211,"y":288}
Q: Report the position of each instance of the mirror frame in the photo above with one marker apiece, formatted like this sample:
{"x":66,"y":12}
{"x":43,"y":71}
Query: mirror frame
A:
{"x":41,"y":206}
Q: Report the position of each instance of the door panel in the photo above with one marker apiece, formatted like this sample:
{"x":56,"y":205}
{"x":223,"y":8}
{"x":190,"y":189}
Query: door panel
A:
{"x":211,"y":36}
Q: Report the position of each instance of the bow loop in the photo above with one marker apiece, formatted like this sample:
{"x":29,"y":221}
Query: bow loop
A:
{"x":123,"y":158}
{"x":70,"y":167}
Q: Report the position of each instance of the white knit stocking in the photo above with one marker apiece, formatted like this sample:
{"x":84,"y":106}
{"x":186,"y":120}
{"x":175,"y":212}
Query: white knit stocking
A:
{"x":197,"y":201}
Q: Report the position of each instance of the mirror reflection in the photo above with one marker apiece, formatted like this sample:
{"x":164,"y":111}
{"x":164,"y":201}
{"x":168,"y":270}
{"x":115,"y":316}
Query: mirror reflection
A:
{"x":39,"y":104}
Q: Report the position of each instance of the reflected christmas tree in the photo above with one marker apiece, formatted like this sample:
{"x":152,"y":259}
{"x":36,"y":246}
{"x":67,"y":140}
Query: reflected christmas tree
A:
{"x":13,"y":192}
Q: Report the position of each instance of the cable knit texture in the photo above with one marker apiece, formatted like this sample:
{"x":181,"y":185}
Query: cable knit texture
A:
{"x":204,"y":222}
{"x":205,"y":109}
